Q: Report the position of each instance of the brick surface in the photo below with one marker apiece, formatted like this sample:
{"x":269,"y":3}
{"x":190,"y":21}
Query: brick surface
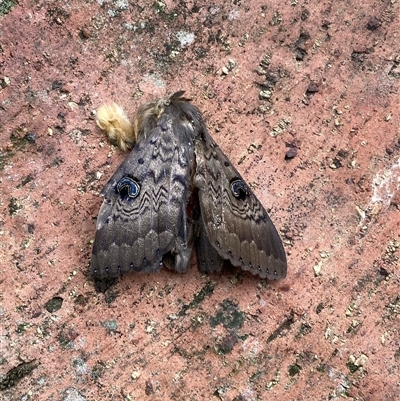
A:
{"x":303,"y":98}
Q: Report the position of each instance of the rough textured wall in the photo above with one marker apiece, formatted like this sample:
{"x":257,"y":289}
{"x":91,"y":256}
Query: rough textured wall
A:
{"x":303,"y":98}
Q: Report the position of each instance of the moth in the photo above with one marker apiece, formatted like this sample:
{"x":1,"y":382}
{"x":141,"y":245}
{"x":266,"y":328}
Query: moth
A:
{"x":177,"y":190}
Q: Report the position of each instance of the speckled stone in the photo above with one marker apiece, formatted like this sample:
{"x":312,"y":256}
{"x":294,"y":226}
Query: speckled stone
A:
{"x":319,"y":77}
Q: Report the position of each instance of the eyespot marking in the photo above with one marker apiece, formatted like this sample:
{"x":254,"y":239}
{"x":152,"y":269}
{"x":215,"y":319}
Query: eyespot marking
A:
{"x":128,"y":187}
{"x":239,"y":189}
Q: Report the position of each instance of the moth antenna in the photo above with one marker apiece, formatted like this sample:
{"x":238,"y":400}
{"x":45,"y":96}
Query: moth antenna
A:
{"x":112,"y":119}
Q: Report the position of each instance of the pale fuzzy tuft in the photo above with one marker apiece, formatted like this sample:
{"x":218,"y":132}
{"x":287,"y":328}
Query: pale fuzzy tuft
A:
{"x":112,"y":119}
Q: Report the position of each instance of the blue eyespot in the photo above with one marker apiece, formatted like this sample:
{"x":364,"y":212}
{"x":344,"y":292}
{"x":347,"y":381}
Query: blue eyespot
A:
{"x":127,"y":187}
{"x":239,"y":189}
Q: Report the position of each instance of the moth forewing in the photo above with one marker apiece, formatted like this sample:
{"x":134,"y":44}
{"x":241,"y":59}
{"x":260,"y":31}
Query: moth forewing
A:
{"x":236,"y":223}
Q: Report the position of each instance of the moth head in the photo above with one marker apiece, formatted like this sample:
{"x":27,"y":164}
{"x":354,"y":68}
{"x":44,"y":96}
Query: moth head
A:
{"x":147,"y":116}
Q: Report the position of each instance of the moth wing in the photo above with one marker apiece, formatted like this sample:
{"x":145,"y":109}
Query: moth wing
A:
{"x":236,"y":223}
{"x":143,"y":215}
{"x":208,"y":258}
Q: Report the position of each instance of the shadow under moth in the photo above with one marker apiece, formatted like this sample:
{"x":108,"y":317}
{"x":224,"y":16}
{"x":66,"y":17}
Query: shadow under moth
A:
{"x":175,"y":190}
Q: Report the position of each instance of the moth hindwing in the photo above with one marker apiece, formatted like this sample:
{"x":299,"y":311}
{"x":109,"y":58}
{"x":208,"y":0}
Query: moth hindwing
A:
{"x":177,"y":187}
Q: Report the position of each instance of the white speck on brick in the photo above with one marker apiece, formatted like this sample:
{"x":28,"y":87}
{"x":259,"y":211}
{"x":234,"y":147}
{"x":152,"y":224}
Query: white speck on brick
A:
{"x":385,"y":185}
{"x":185,"y":38}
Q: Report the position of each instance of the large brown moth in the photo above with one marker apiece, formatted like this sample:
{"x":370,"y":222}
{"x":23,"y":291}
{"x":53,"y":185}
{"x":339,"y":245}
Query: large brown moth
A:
{"x":175,"y":189}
